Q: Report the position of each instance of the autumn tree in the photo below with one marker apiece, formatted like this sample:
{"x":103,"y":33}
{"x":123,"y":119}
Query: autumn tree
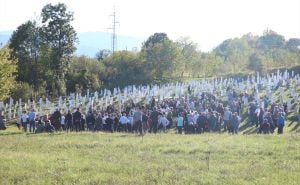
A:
{"x":7,"y":73}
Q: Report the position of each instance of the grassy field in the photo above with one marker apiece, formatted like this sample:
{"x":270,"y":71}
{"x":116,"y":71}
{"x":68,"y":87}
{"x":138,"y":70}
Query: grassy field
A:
{"x":103,"y":158}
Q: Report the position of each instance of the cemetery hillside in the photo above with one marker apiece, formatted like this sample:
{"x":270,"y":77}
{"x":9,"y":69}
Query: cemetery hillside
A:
{"x":167,"y":113}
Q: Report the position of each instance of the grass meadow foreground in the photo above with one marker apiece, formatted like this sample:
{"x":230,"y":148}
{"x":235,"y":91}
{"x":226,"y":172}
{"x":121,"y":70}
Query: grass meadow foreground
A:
{"x":104,"y":158}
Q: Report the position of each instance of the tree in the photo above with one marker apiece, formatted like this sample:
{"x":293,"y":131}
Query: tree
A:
{"x":84,"y":73}
{"x":236,"y":53}
{"x":59,"y":35}
{"x":102,"y":54}
{"x":251,"y":39}
{"x":189,"y":55}
{"x":25,"y":46}
{"x":155,"y":38}
{"x":256,"y":63}
{"x":7,"y":69}
{"x":160,"y":54}
{"x":293,"y":45}
{"x":124,"y":68}
{"x":270,"y":40}
{"x":221,"y":50}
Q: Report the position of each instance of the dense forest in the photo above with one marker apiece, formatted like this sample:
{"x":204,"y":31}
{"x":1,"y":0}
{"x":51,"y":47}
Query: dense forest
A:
{"x":39,"y":59}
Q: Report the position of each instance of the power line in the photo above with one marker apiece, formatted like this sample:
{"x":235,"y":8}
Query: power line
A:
{"x":114,"y":36}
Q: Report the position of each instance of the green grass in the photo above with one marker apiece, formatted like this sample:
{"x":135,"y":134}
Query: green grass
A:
{"x":103,"y":158}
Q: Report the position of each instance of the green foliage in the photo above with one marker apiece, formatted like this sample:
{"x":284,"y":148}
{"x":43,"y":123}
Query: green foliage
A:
{"x":160,"y":55}
{"x":189,"y":57}
{"x":124,"y":68}
{"x":256,"y":53}
{"x":22,"y":90}
{"x":235,"y":52}
{"x":46,"y":61}
{"x":293,"y":45}
{"x":25,"y":46}
{"x":44,"y":53}
{"x":7,"y":73}
{"x":102,"y":54}
{"x":84,"y":73}
{"x":270,"y":40}
{"x":60,"y":36}
{"x":256,"y":63}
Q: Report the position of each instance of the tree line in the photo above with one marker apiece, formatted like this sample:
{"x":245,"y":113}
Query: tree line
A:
{"x":39,"y":59}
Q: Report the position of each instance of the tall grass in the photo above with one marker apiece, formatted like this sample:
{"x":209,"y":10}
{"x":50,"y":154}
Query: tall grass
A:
{"x":103,"y":158}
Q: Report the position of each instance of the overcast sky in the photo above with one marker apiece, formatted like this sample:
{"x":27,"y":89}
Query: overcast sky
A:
{"x":206,"y":22}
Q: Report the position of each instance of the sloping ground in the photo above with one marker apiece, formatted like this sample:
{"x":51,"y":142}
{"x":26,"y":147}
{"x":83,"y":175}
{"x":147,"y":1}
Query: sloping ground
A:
{"x":102,"y":158}
{"x":291,"y":124}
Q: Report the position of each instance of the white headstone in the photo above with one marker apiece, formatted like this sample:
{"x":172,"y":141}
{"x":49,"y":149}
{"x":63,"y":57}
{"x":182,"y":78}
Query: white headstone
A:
{"x":47,"y":103}
{"x":9,"y":113}
{"x":1,"y":105}
{"x":11,"y":101}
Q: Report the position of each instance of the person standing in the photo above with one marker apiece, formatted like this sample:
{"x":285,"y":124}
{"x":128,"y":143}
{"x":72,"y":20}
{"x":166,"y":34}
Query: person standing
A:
{"x":137,"y":120}
{"x":98,"y":121}
{"x":90,"y":121}
{"x":68,"y":121}
{"x":2,"y":121}
{"x":56,"y":122}
{"x":62,"y":122}
{"x":82,"y":122}
{"x":77,"y":120}
{"x":130,"y":122}
{"x":280,"y":123}
{"x":32,"y":117}
{"x":154,"y":119}
{"x":235,"y":122}
{"x":24,"y":120}
{"x":109,"y":123}
{"x":227,"y":115}
{"x":179,"y":123}
{"x":164,"y":122}
{"x":201,"y":121}
{"x":212,"y":121}
{"x":145,"y":119}
{"x":123,"y":122}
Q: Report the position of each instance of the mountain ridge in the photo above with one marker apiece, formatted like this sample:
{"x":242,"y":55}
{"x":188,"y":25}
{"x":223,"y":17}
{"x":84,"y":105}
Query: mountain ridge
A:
{"x":91,"y":42}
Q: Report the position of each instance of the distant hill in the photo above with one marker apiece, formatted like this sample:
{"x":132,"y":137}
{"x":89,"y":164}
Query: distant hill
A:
{"x":91,"y":42}
{"x":4,"y":37}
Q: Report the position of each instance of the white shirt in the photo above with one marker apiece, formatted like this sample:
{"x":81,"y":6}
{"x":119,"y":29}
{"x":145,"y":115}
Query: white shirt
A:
{"x":177,"y":103}
{"x":124,"y":120}
{"x":62,"y":120}
{"x":104,"y":119}
{"x":24,"y":117}
{"x":257,"y":112}
{"x":130,"y":118}
{"x":164,"y":121}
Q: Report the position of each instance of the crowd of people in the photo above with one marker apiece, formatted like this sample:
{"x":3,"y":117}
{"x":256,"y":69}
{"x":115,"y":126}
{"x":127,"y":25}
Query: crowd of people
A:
{"x":188,"y":114}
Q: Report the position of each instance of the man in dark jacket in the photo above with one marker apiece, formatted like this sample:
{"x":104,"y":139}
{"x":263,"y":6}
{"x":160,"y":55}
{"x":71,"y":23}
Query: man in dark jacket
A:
{"x":2,"y":121}
{"x":77,"y":120}
{"x":56,"y":119}
{"x":69,"y":121}
{"x":154,"y":117}
{"x":90,"y":121}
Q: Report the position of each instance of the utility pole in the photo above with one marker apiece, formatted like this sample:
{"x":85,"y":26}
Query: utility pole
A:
{"x":114,"y":36}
